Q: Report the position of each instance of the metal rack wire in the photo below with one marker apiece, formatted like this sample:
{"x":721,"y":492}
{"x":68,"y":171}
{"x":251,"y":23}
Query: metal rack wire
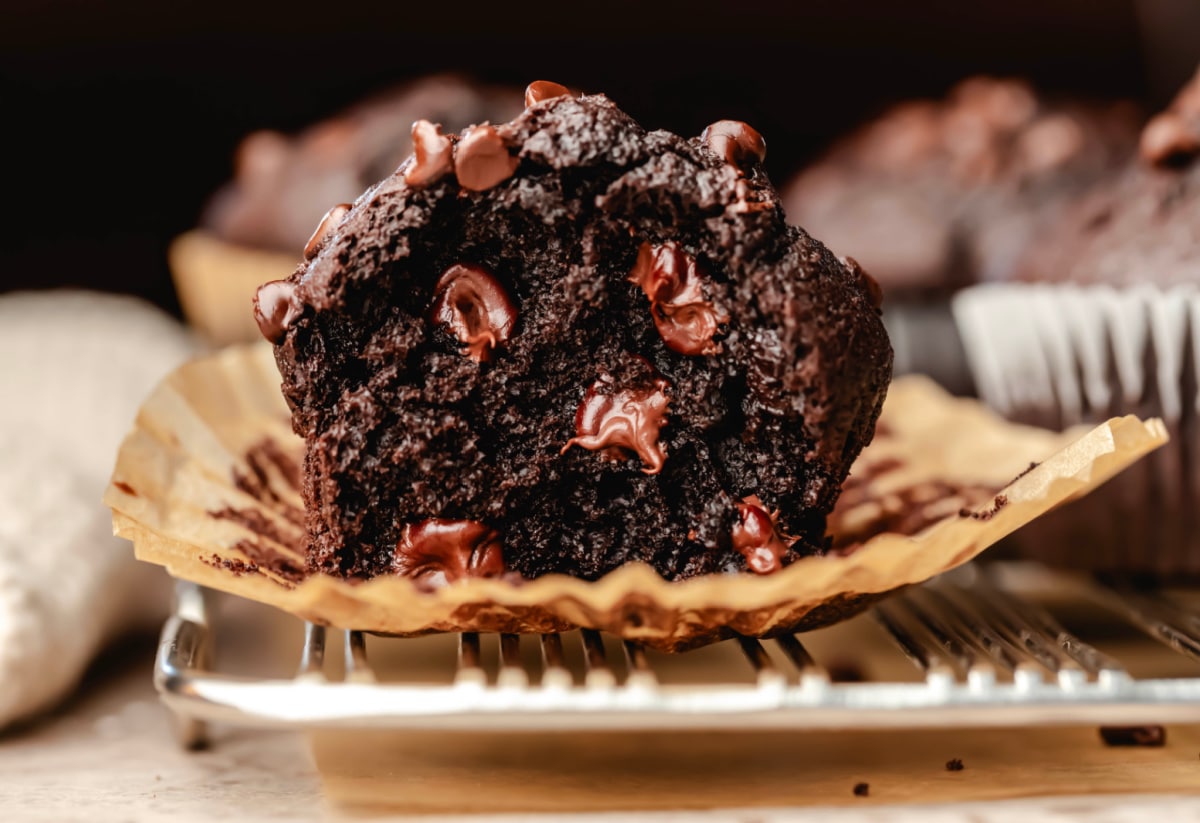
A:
{"x":988,"y":657}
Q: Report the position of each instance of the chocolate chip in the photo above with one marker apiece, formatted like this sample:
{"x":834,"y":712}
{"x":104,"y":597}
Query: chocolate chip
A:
{"x":540,"y":90}
{"x":436,"y":552}
{"x":481,"y":160}
{"x":611,"y":418}
{"x":276,"y":308}
{"x":1133,"y":735}
{"x":1170,"y":139}
{"x":328,"y":223}
{"x":433,"y":154}
{"x":756,"y":538}
{"x":671,"y":280}
{"x":954,"y":765}
{"x":862,"y":789}
{"x":738,"y":143}
{"x":475,"y":308}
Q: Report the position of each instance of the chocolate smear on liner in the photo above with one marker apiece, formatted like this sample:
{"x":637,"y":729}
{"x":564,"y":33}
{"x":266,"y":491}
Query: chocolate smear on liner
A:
{"x":125,"y":487}
{"x":260,"y":458}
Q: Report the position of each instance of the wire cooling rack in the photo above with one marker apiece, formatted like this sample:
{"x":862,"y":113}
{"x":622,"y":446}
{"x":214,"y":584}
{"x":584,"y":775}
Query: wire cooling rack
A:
{"x":985,"y":654}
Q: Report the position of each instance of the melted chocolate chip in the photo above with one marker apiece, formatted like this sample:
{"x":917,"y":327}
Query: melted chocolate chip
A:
{"x":437,"y":552}
{"x":328,"y":223}
{"x":738,"y":143}
{"x":1170,"y":139}
{"x":756,"y":538}
{"x":685,"y":320}
{"x":433,"y":154}
{"x":609,"y":419}
{"x":276,"y":308}
{"x":475,"y":308}
{"x":540,"y":90}
{"x":481,"y":160}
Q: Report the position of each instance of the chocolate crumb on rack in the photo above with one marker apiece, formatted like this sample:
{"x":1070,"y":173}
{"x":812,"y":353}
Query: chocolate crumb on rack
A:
{"x":562,"y":344}
{"x":862,"y":789}
{"x":954,"y":765}
{"x":1133,"y":735}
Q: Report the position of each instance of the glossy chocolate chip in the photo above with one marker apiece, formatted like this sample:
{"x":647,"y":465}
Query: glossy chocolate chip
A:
{"x":276,"y":308}
{"x":610,"y":419}
{"x":438,"y":552}
{"x":671,"y":280}
{"x":328,"y":223}
{"x":433,"y":154}
{"x":481,"y":160}
{"x":540,"y":90}
{"x":756,"y":538}
{"x":738,"y":143}
{"x":475,"y":308}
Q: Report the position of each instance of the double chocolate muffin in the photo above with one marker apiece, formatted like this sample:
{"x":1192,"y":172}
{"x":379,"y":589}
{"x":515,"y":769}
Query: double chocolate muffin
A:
{"x":935,"y":195}
{"x":1143,"y":227}
{"x":564,"y":343}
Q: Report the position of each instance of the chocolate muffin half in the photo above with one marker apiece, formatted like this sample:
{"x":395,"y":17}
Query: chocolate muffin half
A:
{"x":565,"y":343}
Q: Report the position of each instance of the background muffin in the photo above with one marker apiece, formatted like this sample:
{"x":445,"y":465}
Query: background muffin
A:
{"x":939,"y":194}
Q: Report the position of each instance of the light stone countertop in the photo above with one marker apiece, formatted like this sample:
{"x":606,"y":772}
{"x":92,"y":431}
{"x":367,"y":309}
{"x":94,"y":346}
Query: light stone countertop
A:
{"x":109,"y":754}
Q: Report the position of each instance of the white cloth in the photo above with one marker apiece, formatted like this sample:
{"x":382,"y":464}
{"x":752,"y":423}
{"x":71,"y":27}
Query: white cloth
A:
{"x":74,"y":367}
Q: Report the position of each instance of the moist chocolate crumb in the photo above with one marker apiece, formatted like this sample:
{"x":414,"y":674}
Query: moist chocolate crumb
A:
{"x":266,"y":558}
{"x":768,"y":356}
{"x":236,"y":567}
{"x":1133,"y":735}
{"x":954,"y":765}
{"x":998,"y":503}
{"x":862,"y":789}
{"x":1033,"y":465}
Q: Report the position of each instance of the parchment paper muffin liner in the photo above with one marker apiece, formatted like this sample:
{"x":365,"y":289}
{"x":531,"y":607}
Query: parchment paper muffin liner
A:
{"x":206,"y":485}
{"x":1062,"y":355}
{"x":217,"y":280}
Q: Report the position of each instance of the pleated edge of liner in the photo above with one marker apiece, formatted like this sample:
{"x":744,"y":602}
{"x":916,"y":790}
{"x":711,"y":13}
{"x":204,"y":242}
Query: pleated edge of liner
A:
{"x":881,"y":564}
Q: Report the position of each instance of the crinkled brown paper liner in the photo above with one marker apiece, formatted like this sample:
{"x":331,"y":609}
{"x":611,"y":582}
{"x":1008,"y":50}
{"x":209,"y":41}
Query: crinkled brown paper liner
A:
{"x":933,"y":456}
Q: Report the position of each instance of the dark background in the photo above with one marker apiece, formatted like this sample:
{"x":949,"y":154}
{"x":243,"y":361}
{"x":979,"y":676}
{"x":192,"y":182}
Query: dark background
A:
{"x":121,"y":117}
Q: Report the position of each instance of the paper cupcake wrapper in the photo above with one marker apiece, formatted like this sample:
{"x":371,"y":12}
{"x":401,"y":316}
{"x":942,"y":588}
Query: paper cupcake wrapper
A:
{"x":1058,"y":356}
{"x":934,"y":489}
{"x":217,"y":280}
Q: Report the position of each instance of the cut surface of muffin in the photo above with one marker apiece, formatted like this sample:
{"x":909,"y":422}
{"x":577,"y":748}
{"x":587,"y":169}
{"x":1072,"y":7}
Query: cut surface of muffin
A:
{"x":565,"y":343}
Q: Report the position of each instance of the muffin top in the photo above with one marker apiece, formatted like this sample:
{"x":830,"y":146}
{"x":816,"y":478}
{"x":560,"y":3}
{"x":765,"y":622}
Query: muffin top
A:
{"x":282,"y":185}
{"x":937,"y":194}
{"x":1141,"y":227}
